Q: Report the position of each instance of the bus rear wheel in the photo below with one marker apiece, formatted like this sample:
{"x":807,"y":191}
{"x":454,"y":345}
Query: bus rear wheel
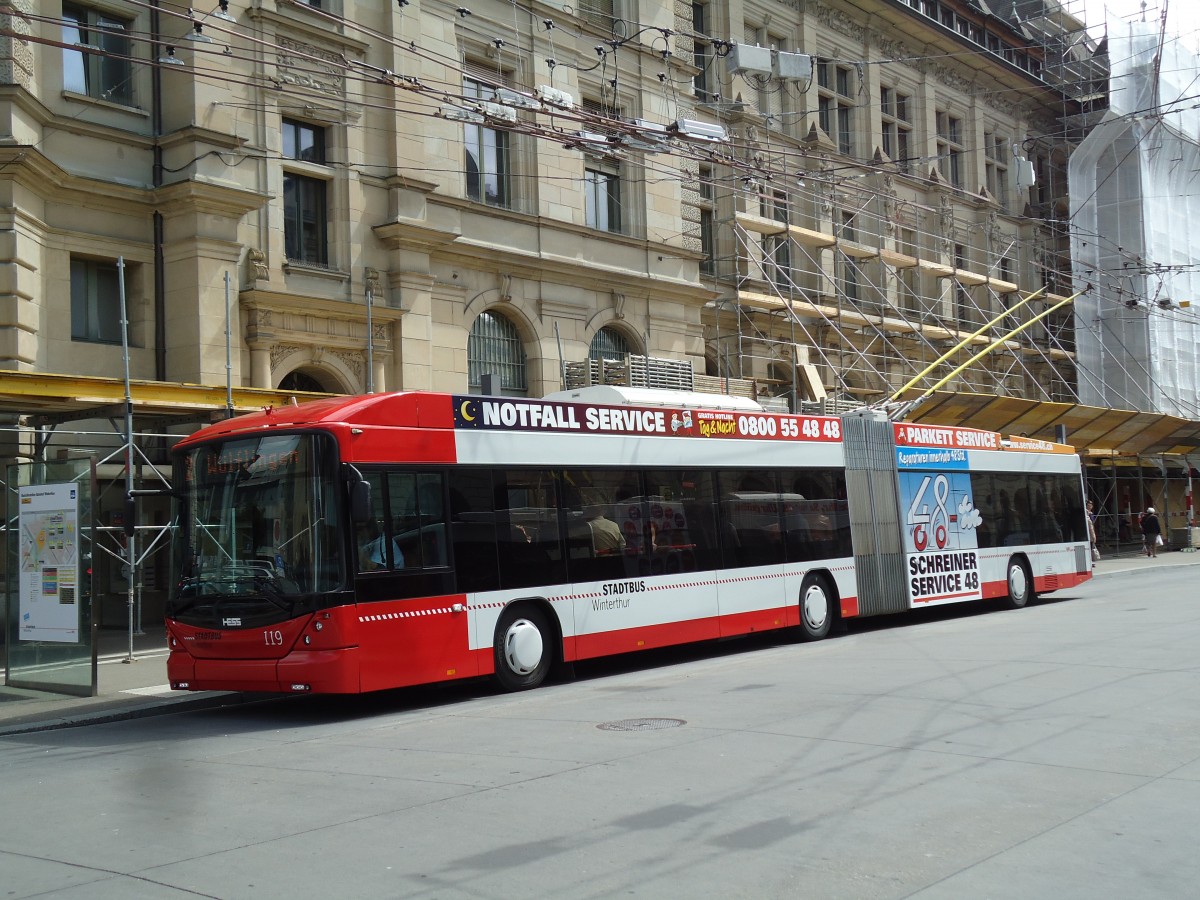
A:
{"x":816,"y":608}
{"x":522,"y":648}
{"x":1020,"y":583}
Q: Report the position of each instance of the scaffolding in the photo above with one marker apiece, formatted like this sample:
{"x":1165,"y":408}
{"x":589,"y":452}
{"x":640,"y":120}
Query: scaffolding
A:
{"x":847,"y":315}
{"x":1137,"y":210}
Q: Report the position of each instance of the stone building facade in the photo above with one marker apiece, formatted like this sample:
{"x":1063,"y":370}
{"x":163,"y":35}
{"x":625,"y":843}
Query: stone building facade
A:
{"x":415,"y":196}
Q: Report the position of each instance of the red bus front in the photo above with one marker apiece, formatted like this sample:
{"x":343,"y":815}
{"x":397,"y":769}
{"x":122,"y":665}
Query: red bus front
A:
{"x":266,"y":587}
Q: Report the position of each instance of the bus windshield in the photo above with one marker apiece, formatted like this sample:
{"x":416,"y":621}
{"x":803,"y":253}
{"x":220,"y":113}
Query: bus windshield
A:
{"x":257,"y":521}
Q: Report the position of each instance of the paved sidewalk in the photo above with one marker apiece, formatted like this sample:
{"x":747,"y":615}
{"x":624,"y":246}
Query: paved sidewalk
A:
{"x":130,"y":689}
{"x":129,"y":686}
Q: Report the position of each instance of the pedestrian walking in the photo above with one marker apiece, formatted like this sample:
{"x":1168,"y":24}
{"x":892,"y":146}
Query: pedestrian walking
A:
{"x":1151,"y":532}
{"x":1091,"y":525}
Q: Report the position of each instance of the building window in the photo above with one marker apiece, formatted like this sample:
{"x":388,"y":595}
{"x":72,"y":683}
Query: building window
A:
{"x":488,"y":154}
{"x":601,"y":13}
{"x":995,"y":160}
{"x":95,"y":302}
{"x":835,"y":105}
{"x":851,"y":276}
{"x":602,"y":195}
{"x":303,"y":142}
{"x":299,"y":380}
{"x":608,"y":344}
{"x":909,"y":276}
{"x":701,"y":57}
{"x":777,"y":250}
{"x":494,"y":348}
{"x":305,"y":217}
{"x":107,"y":73}
{"x":708,"y":265}
{"x":707,"y":206}
{"x":966,"y":311}
{"x":896,"y":118}
{"x":949,"y":147}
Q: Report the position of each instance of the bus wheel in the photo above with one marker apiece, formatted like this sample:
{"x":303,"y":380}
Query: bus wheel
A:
{"x":816,"y":608}
{"x":1020,"y":583}
{"x":522,"y":648}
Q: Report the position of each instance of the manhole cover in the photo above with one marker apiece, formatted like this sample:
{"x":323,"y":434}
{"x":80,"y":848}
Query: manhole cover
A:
{"x":640,"y":724}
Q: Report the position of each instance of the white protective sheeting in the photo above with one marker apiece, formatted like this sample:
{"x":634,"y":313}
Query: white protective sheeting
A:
{"x":1135,"y":210}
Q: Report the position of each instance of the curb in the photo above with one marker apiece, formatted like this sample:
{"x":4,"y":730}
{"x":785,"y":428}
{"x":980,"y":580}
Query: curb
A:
{"x":119,"y":711}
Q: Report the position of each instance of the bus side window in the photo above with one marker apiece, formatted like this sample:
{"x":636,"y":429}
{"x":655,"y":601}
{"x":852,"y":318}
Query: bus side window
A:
{"x":431,"y":518}
{"x":402,"y":497}
{"x":527,"y":533}
{"x":680,"y":519}
{"x":984,"y":499}
{"x":370,"y":539}
{"x":599,"y":529}
{"x":808,"y":515}
{"x":473,"y":530}
{"x":750,"y":518}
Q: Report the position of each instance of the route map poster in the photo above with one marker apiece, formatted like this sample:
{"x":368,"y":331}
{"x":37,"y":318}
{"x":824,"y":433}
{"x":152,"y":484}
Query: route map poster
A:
{"x":48,"y":528}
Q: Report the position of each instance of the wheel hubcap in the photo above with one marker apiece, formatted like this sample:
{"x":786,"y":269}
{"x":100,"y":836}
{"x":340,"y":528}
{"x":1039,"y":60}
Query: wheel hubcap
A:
{"x":523,"y":647}
{"x":1016,"y":582}
{"x":816,"y":607}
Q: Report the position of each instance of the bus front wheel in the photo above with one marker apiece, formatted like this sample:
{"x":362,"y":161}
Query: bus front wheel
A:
{"x":522,"y":648}
{"x":1020,"y":583}
{"x":816,"y":608}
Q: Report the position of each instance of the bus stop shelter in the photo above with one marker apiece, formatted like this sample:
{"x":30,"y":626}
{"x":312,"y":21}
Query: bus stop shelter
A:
{"x":71,"y":442}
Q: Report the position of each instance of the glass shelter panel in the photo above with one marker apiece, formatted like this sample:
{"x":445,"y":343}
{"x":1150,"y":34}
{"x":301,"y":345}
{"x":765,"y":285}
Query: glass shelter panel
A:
{"x":49,"y":635}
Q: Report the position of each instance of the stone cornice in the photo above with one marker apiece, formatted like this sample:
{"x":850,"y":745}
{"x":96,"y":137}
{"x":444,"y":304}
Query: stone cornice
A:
{"x":404,"y":233}
{"x":301,"y":23}
{"x":47,"y":120}
{"x":277,"y":301}
{"x":197,"y":135}
{"x":197,"y":196}
{"x":583,"y":274}
{"x":47,"y":180}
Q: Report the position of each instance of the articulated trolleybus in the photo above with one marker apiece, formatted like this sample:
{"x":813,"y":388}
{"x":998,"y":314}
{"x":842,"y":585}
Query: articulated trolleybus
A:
{"x":364,"y":543}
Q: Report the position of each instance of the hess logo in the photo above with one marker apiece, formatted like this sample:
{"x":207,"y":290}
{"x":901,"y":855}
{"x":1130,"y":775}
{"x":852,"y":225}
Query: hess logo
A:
{"x":232,"y":622}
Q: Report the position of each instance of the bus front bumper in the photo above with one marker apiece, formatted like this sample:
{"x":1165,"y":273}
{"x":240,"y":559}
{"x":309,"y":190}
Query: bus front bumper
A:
{"x":299,"y":672}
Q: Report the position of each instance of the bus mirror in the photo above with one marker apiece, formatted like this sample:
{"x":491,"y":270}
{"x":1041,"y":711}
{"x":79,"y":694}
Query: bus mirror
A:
{"x":360,"y":501}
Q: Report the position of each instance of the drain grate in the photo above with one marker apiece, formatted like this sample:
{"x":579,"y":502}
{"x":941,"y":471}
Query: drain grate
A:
{"x":640,"y":724}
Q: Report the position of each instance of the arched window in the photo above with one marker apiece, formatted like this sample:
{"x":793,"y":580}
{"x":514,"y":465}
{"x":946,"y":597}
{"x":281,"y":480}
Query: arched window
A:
{"x":608,"y":344}
{"x":495,"y":348}
{"x":301,"y":380}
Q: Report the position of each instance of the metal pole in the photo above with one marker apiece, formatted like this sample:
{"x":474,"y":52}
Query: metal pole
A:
{"x":562,"y":364}
{"x":1189,"y":502}
{"x":370,"y":346}
{"x":228,"y":353}
{"x":130,"y":525}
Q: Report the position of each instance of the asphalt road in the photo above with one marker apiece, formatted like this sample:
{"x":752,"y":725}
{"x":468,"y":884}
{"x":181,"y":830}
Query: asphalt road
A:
{"x":1050,"y":752}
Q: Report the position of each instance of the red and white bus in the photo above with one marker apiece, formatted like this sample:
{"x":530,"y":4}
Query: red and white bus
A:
{"x":363,"y":543}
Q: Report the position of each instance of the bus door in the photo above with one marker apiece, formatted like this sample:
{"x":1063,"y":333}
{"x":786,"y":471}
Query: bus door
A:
{"x":405,"y":586}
